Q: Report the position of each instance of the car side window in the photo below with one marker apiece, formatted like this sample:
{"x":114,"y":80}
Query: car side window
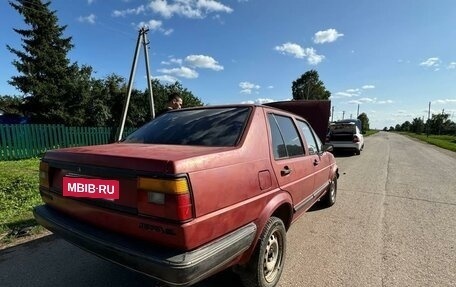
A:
{"x":313,"y":142}
{"x":286,"y":141}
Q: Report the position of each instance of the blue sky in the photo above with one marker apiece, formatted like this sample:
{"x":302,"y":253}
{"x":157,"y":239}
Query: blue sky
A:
{"x":389,"y":57}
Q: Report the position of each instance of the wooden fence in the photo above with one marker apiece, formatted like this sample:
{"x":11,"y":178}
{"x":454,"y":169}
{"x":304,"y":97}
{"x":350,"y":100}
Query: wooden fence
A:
{"x":27,"y":141}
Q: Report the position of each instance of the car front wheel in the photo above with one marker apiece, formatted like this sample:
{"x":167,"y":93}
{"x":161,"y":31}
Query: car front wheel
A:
{"x":330,"y":197}
{"x":266,"y":265}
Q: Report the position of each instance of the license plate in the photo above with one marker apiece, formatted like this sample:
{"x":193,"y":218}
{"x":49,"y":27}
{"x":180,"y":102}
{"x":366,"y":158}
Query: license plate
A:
{"x":90,"y":187}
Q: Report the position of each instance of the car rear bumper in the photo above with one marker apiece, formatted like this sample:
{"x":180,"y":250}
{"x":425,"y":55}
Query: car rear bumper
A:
{"x":346,"y":145}
{"x":176,"y":268}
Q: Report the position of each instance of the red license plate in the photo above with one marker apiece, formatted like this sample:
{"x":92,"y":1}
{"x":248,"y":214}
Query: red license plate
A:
{"x":90,"y":187}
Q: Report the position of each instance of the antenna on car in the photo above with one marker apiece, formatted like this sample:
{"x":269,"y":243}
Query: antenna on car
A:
{"x":142,"y":38}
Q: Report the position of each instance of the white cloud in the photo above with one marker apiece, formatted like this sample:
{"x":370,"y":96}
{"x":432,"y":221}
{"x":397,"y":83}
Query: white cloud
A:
{"x":367,"y":100}
{"x":355,"y":102}
{"x":166,"y":78}
{"x":327,"y":36}
{"x":366,"y":87}
{"x":183,"y":72}
{"x":202,"y":61}
{"x":363,"y":101}
{"x":152,"y":24}
{"x":90,"y":1}
{"x":299,"y":52}
{"x":339,"y":95}
{"x":155,"y":25}
{"x":312,"y":57}
{"x":451,"y":66}
{"x":188,"y":8}
{"x":133,"y":11}
{"x":247,"y":87}
{"x":168,"y":32}
{"x":445,"y":102}
{"x":291,"y":48}
{"x":347,"y":94}
{"x":431,"y":62}
{"x":213,"y":6}
{"x":370,"y":101}
{"x":258,"y":101}
{"x":172,"y":61}
{"x":87,"y":19}
{"x":385,"y":102}
{"x":271,"y":87}
{"x":263,"y":101}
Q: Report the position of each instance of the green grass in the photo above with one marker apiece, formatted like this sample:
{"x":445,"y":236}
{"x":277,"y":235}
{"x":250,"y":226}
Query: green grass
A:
{"x":370,"y":132}
{"x":18,"y":195}
{"x":443,"y":141}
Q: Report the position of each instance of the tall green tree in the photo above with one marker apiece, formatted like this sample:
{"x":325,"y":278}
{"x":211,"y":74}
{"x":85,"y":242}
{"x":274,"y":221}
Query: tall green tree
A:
{"x":11,"y":105}
{"x":439,"y":124}
{"x":417,"y":125}
{"x":364,"y":122}
{"x":406,"y":126}
{"x":45,"y":72}
{"x":309,"y":87}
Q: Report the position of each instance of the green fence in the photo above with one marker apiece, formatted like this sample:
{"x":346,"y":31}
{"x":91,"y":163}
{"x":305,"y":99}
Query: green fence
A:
{"x":26,"y":141}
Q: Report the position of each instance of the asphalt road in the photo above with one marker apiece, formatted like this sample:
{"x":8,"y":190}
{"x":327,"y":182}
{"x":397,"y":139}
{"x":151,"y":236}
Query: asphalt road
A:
{"x":394,"y":224}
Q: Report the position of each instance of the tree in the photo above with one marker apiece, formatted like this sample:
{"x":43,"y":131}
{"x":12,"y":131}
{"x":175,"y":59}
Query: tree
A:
{"x":58,"y":92}
{"x":309,"y":87}
{"x":44,"y":70}
{"x":417,"y":126}
{"x":364,"y":122}
{"x":439,"y":123}
{"x":406,"y":126}
{"x":11,"y":105}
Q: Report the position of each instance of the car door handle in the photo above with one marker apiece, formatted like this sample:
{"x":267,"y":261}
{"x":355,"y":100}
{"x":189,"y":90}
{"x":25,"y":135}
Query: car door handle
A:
{"x":285,"y":171}
{"x":316,"y":162}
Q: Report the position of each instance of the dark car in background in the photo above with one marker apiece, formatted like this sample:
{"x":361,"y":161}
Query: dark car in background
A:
{"x":11,"y":119}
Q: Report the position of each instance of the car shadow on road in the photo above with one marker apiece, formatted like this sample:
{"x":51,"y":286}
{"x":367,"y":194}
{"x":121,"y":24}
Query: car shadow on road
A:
{"x":317,"y":206}
{"x":53,"y":261}
{"x":343,"y":153}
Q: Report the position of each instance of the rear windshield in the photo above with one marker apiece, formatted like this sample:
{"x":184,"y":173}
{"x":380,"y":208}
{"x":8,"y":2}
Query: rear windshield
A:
{"x":343,"y":128}
{"x":201,"y":127}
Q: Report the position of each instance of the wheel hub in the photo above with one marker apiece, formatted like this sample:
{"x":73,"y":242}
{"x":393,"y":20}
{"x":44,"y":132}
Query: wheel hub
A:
{"x":271,"y":258}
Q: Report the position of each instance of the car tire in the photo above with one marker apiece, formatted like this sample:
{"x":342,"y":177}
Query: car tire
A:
{"x":331,"y":194}
{"x":358,"y":152}
{"x":266,"y":264}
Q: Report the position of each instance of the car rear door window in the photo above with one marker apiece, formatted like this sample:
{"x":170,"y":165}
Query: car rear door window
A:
{"x":286,"y":141}
{"x":313,"y":142}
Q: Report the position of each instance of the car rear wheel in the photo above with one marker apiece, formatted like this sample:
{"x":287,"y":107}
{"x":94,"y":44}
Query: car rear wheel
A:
{"x":330,"y":197}
{"x":266,"y":264}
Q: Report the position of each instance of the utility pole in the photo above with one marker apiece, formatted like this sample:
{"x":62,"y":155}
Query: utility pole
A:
{"x":332,"y":114}
{"x":357,"y":113}
{"x":343,"y":114}
{"x":149,"y":78}
{"x":142,"y":36}
{"x":427,"y":123}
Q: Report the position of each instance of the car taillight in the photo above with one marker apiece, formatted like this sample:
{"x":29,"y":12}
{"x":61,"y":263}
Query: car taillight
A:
{"x":166,"y":198}
{"x":44,"y":174}
{"x":355,"y":139}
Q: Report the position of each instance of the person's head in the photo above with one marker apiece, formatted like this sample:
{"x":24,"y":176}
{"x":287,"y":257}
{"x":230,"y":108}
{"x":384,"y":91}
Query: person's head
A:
{"x":175,"y":101}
